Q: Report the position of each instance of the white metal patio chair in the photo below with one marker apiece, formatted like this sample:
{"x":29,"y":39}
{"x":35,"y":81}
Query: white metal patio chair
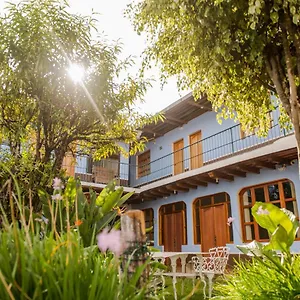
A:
{"x":210,"y":264}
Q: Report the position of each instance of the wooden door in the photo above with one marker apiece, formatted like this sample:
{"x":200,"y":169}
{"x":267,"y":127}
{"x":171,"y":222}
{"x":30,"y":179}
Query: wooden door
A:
{"x":213,"y":227}
{"x":173,"y":232}
{"x":178,"y":230}
{"x":221,"y":227}
{"x":196,"y":153}
{"x":167,"y":233}
{"x":207,"y":228}
{"x":178,"y":157}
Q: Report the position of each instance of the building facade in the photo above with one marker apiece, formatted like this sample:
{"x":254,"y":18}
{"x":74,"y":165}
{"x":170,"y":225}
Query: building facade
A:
{"x":196,"y":173}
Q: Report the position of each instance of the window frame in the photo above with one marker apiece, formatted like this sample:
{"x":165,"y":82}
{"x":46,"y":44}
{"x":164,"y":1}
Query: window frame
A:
{"x":140,"y":172}
{"x":282,"y":201}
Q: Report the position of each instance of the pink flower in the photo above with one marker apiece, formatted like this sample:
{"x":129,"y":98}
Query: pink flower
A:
{"x":116,"y":243}
{"x":57,"y":184}
{"x":57,"y":197}
{"x":115,"y":240}
{"x":230,"y":220}
{"x":111,"y":240}
{"x":103,"y":240}
{"x":262,"y":211}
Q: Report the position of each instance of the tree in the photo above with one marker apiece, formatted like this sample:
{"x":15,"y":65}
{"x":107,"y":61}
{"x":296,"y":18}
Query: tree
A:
{"x":238,"y":52}
{"x":44,"y":113}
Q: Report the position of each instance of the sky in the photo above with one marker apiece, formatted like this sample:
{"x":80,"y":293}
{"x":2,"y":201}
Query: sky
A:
{"x":116,"y":26}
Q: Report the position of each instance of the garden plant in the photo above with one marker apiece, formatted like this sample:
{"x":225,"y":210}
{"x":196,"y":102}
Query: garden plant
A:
{"x":273,"y":272}
{"x":53,"y":255}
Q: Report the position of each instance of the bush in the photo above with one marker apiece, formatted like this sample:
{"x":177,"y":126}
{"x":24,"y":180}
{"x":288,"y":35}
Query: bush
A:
{"x":50,"y":260}
{"x":260,"y":279}
{"x":51,"y":268}
{"x":273,"y":273}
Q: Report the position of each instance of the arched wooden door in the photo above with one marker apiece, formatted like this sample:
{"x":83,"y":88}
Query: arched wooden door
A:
{"x":211,"y":215}
{"x":173,"y":226}
{"x":214,"y":228}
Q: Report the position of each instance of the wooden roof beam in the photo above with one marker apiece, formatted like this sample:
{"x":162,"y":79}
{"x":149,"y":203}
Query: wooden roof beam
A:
{"x":147,"y":130}
{"x":205,"y":179}
{"x":236,"y":172}
{"x":281,"y":160}
{"x":158,"y":193}
{"x":198,"y":182}
{"x":196,"y":104}
{"x":266,"y":164}
{"x":218,"y":175}
{"x":147,"y":196}
{"x":165,"y":191}
{"x":175,"y":187}
{"x":178,"y":121}
{"x":175,"y":123}
{"x":250,"y":169}
{"x":185,"y":184}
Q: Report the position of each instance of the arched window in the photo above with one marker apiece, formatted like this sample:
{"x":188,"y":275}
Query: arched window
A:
{"x":210,"y":221}
{"x":280,"y":193}
{"x":172,"y":226}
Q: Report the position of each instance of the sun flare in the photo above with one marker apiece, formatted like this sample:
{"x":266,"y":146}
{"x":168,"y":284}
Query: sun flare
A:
{"x":76,"y":72}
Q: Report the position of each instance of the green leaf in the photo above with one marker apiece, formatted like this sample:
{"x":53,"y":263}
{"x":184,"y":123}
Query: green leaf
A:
{"x":44,"y":196}
{"x":253,"y":249}
{"x":280,"y":223}
{"x":71,"y":190}
{"x":112,"y":200}
{"x":124,"y":198}
{"x":104,"y":221}
{"x":105,"y":192}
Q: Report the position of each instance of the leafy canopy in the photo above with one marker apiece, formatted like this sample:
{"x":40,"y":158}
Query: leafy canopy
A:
{"x":238,"y":52}
{"x":42,"y":108}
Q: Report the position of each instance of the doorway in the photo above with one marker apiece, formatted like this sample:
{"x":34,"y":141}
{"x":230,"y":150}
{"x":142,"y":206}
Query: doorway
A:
{"x":173,"y":226}
{"x":210,"y":221}
{"x":196,"y":153}
{"x":178,"y":157}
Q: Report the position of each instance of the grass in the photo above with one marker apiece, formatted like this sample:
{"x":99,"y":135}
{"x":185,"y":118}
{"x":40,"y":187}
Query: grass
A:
{"x":187,"y":289}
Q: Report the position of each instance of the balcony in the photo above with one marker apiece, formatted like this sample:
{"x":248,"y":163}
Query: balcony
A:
{"x":222,"y":145}
{"x":217,"y":147}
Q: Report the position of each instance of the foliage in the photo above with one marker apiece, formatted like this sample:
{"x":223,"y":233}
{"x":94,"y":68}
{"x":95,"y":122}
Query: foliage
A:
{"x":235,"y":51}
{"x":58,"y":265}
{"x":43,"y":112}
{"x":282,"y":227}
{"x":261,"y":279}
{"x":89,"y":214}
{"x":61,"y":268}
{"x":267,"y":276}
{"x":30,"y":174}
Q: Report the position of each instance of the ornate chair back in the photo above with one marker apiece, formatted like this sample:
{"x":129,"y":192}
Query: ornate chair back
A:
{"x":214,"y":263}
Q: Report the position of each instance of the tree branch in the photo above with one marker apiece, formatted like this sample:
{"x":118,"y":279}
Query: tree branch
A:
{"x":273,"y":72}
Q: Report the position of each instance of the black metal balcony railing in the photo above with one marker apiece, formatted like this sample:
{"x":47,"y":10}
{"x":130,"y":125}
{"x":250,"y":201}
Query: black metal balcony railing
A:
{"x":210,"y":149}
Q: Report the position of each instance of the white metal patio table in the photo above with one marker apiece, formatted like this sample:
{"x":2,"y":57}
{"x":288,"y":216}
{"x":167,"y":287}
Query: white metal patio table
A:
{"x":174,"y":256}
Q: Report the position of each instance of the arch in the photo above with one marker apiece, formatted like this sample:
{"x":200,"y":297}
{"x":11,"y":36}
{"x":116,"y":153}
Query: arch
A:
{"x":172,"y":218}
{"x":202,"y":205}
{"x":279,"y":192}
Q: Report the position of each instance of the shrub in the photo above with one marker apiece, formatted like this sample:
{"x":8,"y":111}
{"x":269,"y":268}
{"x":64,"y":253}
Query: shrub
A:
{"x":273,"y":273}
{"x":260,"y":279}
{"x":51,"y":268}
{"x":69,"y":207}
{"x":37,"y":262}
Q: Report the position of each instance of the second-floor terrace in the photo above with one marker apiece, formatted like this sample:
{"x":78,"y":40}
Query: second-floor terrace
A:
{"x":201,"y":152}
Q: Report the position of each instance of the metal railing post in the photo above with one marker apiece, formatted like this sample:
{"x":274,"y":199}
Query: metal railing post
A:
{"x":231,"y":135}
